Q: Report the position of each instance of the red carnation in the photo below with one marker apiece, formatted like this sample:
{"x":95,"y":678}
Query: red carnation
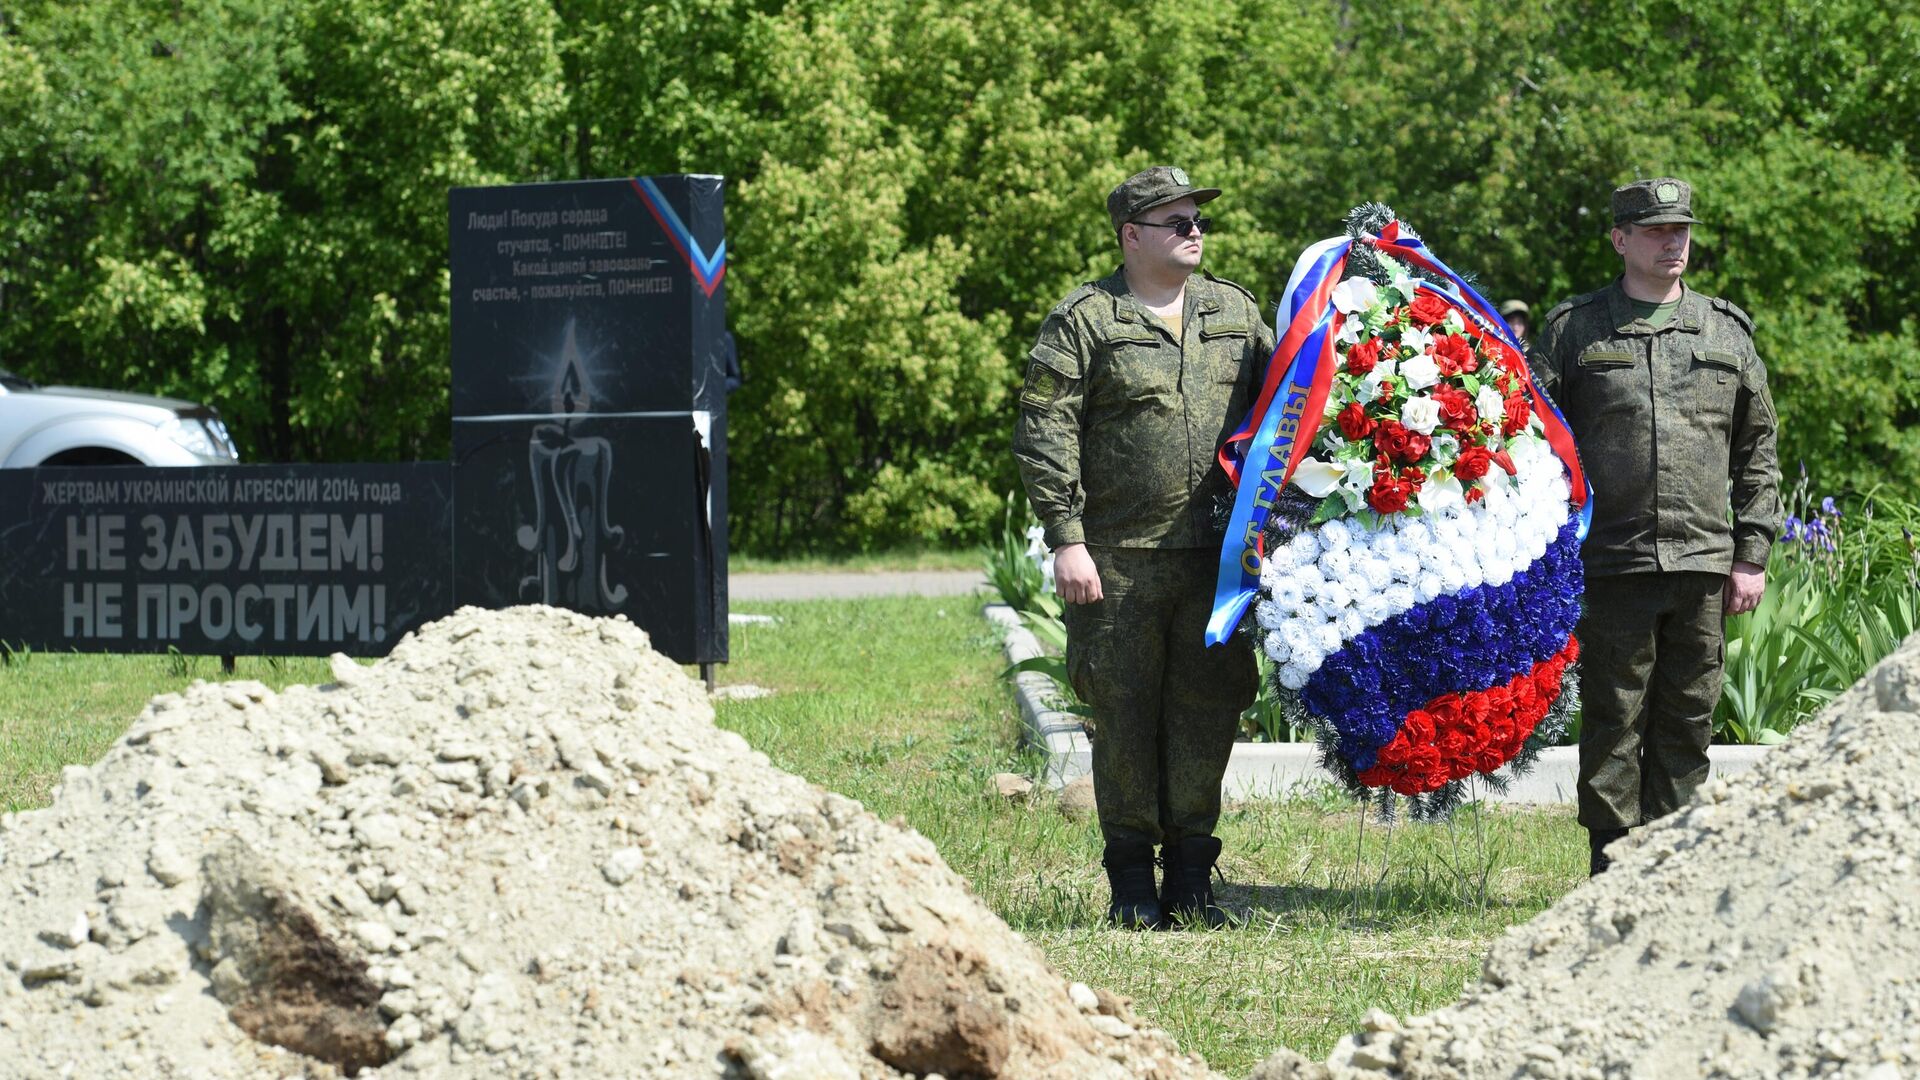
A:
{"x":1427,"y":309}
{"x":1517,"y":415}
{"x":1456,"y":408}
{"x":1454,"y":354}
{"x":1354,"y":422}
{"x":1472,"y":463}
{"x":1362,"y":356}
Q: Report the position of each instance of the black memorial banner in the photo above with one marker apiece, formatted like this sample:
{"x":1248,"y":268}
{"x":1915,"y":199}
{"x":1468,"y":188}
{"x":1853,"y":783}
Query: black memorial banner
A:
{"x":237,"y":560}
{"x":589,"y":402}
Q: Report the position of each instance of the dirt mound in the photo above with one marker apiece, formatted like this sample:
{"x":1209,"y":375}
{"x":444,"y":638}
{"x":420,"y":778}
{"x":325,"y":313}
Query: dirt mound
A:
{"x":517,"y":846}
{"x":1769,"y":929}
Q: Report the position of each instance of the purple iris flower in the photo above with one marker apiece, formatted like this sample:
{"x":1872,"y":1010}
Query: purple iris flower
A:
{"x":1827,"y":507}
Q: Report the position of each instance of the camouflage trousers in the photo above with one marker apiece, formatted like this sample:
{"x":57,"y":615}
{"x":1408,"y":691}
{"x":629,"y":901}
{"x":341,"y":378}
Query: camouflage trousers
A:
{"x":1166,"y":707}
{"x":1651,"y":654}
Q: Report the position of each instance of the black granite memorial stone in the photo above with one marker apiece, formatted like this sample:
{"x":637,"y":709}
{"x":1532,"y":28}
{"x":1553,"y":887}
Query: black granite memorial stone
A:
{"x":589,"y":402}
{"x":243,"y":559}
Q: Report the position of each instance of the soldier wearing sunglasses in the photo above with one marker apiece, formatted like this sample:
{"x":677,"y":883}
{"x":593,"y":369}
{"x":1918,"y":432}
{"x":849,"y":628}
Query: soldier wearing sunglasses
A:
{"x":1134,"y":383}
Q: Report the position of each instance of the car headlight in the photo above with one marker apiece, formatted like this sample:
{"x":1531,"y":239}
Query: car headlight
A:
{"x":204,"y":438}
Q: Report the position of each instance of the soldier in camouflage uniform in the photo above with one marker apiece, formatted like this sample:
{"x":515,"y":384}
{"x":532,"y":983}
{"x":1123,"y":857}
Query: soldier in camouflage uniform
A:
{"x":1669,"y":406}
{"x":1133,"y":385}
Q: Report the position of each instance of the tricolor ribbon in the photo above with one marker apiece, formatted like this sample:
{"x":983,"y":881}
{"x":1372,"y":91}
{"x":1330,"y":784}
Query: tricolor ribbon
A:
{"x":1270,"y":443}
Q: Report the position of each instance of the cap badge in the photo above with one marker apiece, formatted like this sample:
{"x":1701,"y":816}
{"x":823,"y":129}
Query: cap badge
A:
{"x":1667,"y":193}
{"x":1180,"y":177}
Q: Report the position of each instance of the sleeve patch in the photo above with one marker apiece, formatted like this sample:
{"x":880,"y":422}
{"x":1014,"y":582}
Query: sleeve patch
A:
{"x":1042,"y":387}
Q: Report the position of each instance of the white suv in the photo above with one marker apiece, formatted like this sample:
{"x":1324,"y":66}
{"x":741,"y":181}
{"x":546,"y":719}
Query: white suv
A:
{"x":65,"y":425}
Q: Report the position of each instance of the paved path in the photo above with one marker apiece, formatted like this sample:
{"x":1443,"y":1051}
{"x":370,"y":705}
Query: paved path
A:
{"x":746,"y":588}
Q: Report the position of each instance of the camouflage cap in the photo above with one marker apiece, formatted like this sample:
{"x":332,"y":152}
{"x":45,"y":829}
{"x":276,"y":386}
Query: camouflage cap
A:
{"x":1149,"y":188}
{"x":1662,"y":200}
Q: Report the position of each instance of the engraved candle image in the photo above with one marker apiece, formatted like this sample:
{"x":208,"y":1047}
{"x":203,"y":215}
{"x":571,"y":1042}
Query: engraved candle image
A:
{"x":571,"y":477}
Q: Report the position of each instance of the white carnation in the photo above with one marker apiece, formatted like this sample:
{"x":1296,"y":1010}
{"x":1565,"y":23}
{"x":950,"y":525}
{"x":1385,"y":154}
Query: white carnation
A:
{"x":1452,"y":577}
{"x":1287,"y":595}
{"x":1499,"y":573}
{"x":1293,"y":676}
{"x":1404,"y":564}
{"x":1326,"y":637}
{"x":1268,"y":615}
{"x":1305,"y":549}
{"x":1335,"y":596}
{"x":1428,"y":587}
{"x":1337,"y":563}
{"x":1298,"y":634}
{"x":1335,"y":535}
{"x":1373,"y":608}
{"x":1473,"y":571}
{"x":1400,"y":597}
{"x":1374,"y":571}
{"x":1276,"y":648}
{"x":1351,"y":623}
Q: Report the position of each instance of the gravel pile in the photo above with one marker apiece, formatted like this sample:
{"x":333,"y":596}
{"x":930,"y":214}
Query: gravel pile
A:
{"x":1769,"y":929}
{"x":516,"y":847}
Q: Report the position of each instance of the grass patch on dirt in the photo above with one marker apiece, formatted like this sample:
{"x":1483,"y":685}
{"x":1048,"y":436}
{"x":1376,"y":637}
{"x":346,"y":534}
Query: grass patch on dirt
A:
{"x":61,"y":709}
{"x":896,"y":702}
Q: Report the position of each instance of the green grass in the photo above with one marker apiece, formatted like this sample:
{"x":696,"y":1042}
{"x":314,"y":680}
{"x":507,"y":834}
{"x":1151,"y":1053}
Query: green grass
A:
{"x":896,"y":702}
{"x":65,"y":708}
{"x":860,"y":562}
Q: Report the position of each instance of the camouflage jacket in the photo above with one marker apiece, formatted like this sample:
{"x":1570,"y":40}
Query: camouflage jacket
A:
{"x":1674,"y":426}
{"x":1120,"y":420}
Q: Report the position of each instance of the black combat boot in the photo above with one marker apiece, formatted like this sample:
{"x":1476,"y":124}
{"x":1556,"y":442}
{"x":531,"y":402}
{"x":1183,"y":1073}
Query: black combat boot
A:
{"x":1597,"y":841}
{"x":1186,"y":899}
{"x":1130,"y":874}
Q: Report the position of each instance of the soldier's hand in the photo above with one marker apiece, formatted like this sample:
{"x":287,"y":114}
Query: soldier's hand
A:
{"x":1074,"y":575}
{"x":1743,"y":589}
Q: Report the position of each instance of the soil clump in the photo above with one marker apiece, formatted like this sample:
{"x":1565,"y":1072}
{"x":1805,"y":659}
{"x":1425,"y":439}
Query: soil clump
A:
{"x":517,"y":846}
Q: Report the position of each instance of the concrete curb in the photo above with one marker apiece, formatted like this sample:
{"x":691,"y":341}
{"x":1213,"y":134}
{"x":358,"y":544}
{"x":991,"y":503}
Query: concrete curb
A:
{"x":1268,"y":770}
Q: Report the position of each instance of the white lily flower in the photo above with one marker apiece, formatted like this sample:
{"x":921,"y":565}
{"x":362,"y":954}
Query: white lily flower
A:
{"x":1438,"y":496}
{"x":1351,"y":331}
{"x":1421,"y":414}
{"x":1453,"y":323}
{"x":1370,"y":382}
{"x":1405,"y":284}
{"x":1490,"y":405}
{"x":1318,"y":478}
{"x":1359,"y":476}
{"x":1420,"y":371}
{"x":1354,"y":295}
{"x":1416,"y":339}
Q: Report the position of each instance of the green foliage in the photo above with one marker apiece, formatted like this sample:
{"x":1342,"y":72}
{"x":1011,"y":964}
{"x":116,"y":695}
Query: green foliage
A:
{"x":1838,"y":600}
{"x":244,"y":202}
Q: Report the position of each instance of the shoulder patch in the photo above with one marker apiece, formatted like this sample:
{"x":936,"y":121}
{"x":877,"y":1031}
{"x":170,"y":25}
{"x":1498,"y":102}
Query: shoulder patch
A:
{"x":1732,"y":310}
{"x":1561,"y":310}
{"x":1081,"y":293}
{"x":1233,"y":285}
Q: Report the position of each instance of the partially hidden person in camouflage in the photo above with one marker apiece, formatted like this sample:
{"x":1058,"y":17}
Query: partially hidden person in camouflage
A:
{"x":1669,"y":408}
{"x":1132,"y":386}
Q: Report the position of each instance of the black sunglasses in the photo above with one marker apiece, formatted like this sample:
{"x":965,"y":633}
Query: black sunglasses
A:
{"x":1182,"y":227}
